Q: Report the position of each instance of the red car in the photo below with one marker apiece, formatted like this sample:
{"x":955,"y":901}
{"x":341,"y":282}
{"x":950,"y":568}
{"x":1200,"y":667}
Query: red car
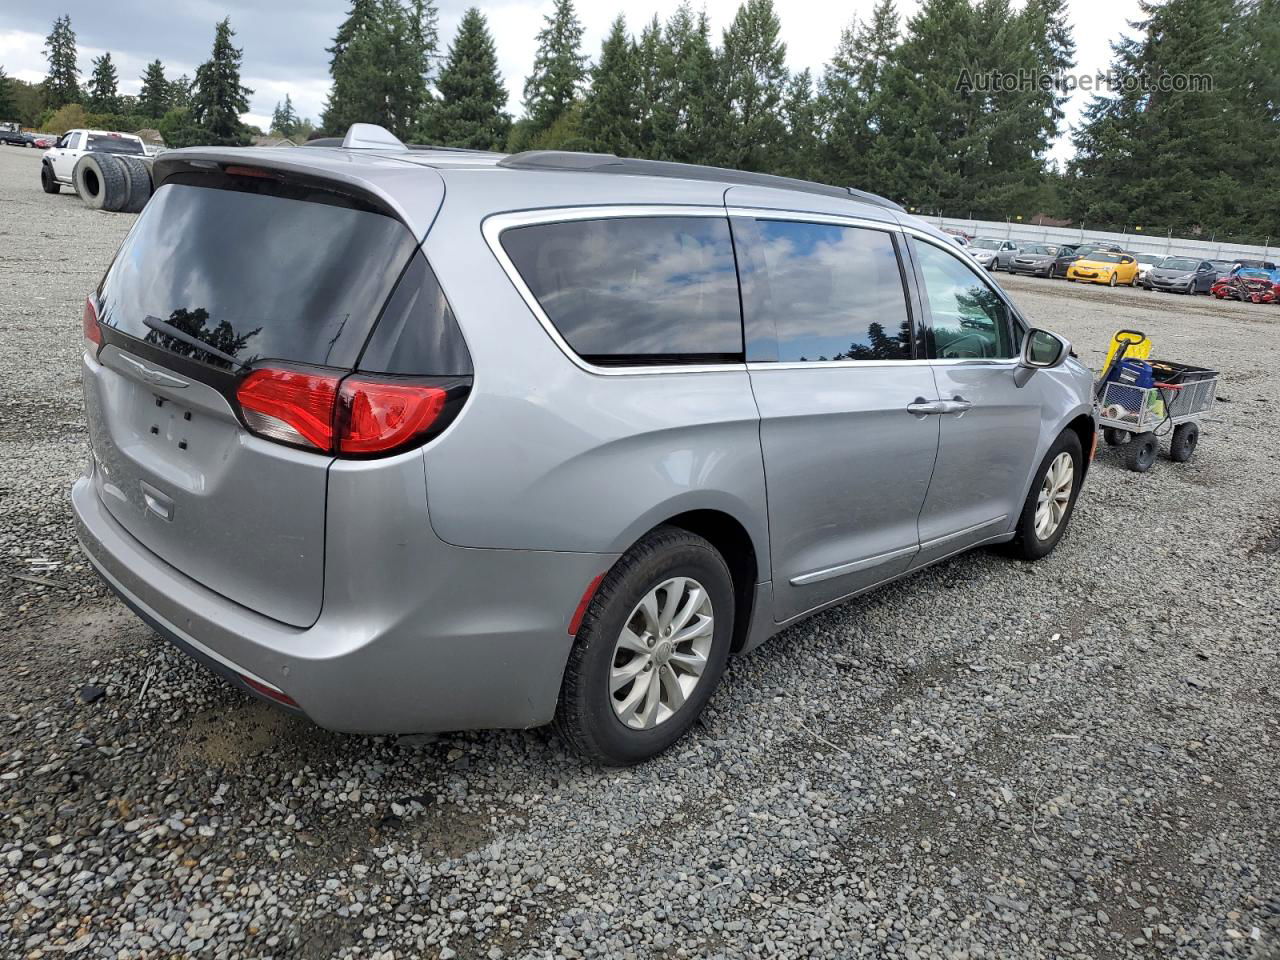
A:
{"x":1256,"y":286}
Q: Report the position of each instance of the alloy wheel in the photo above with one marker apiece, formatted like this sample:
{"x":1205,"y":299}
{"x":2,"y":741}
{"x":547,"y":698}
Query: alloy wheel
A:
{"x":1055,"y":495}
{"x":661,"y":653}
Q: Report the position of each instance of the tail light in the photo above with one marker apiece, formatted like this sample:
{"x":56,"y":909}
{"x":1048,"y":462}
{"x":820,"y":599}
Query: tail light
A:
{"x":89,"y":324}
{"x":378,"y":417}
{"x":352,"y":416}
{"x":290,"y":406}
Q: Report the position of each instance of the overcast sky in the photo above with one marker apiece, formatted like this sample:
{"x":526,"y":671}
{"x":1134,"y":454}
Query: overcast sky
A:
{"x":284,"y":43}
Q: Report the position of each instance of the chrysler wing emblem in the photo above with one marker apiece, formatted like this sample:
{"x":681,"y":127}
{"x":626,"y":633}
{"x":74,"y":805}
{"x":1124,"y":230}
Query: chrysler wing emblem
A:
{"x":154,"y":376}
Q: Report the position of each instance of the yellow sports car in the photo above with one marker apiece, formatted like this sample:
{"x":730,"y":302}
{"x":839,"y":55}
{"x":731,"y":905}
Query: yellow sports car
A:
{"x":1112,"y":269}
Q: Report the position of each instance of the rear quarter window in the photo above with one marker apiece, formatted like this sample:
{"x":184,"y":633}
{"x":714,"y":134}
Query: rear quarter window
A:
{"x":106,"y":144}
{"x":635,"y":290}
{"x":417,"y":334}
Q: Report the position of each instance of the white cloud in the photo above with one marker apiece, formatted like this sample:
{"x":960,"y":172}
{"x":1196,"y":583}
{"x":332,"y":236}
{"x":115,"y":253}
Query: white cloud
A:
{"x":22,"y":55}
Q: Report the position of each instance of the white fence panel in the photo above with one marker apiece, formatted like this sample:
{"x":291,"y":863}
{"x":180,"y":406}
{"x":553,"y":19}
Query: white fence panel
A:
{"x":1133,"y":242}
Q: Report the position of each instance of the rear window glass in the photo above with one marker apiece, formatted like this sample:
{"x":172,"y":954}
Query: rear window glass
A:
{"x":635,"y":290}
{"x":830,"y":292}
{"x":104,"y":144}
{"x":255,"y":276}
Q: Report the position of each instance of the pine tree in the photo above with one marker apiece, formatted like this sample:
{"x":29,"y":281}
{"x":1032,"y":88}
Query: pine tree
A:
{"x":1158,"y":155}
{"x":357,"y":65}
{"x":656,"y":122}
{"x":415,"y":66}
{"x":180,"y":93}
{"x":800,"y":112}
{"x":559,"y":69}
{"x":1259,"y":209}
{"x":754,"y":78}
{"x":218,"y":98}
{"x":284,"y":120}
{"x":610,"y":118}
{"x":62,"y":85}
{"x":104,"y":86}
{"x":930,"y":147}
{"x":153,"y":98}
{"x":8,"y":106}
{"x":380,"y":64}
{"x":470,"y":111}
{"x":350,"y":78}
{"x":690,"y":73}
{"x":852,"y":100}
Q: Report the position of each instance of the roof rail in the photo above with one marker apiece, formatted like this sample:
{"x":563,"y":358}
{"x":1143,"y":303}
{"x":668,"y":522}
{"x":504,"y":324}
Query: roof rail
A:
{"x":609,"y":163}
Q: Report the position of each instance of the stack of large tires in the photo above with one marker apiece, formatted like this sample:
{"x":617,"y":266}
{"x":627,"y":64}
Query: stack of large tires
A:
{"x":113,"y":182}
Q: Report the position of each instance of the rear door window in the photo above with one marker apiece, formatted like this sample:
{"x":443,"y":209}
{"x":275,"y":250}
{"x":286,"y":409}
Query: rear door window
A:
{"x":254,"y":274}
{"x":105,"y":143}
{"x":635,"y":290}
{"x":827,"y":292}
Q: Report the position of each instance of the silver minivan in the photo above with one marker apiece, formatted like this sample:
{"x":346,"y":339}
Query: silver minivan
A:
{"x":412,"y":439}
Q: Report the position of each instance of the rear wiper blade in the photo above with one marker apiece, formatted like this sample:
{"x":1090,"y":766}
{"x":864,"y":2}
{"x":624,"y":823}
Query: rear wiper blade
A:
{"x":169,"y":330}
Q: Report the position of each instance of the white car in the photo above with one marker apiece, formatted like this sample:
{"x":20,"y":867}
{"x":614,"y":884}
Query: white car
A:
{"x":992,"y":252}
{"x":58,"y":165}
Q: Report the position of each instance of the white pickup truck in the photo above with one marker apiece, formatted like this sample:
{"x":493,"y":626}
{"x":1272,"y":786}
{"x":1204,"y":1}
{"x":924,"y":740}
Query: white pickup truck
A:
{"x":99,"y":165}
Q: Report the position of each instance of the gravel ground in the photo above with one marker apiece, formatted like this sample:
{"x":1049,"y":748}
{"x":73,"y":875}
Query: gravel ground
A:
{"x":1076,"y":758}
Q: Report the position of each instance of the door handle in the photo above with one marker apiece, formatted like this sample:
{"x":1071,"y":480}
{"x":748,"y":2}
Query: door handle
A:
{"x":921,"y":407}
{"x":956,"y":404}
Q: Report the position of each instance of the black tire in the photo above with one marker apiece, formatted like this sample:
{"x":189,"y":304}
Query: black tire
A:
{"x":1183,"y":445}
{"x":1114,"y":281}
{"x":138,"y":176}
{"x":1026,"y":544}
{"x":1115,"y":437}
{"x":1140,"y":453}
{"x":585,"y":715}
{"x":48,"y":182}
{"x":100,"y":181}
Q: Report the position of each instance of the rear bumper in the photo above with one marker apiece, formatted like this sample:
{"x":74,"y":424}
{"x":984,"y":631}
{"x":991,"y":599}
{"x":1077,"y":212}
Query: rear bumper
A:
{"x":451,"y":638}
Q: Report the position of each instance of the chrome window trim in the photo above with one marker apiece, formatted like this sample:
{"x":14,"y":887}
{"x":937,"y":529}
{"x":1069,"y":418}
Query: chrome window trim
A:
{"x":755,"y":365}
{"x":494,"y":225}
{"x":803,"y":216}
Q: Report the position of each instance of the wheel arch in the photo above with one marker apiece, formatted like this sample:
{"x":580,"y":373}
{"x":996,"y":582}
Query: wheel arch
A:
{"x":1084,"y":427}
{"x":734,"y":543}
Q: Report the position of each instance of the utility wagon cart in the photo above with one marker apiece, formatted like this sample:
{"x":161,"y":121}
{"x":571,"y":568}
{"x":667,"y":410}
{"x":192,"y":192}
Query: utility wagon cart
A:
{"x":1135,"y":416}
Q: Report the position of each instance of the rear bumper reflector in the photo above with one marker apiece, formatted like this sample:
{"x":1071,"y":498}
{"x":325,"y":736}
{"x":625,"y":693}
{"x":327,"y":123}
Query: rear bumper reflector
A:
{"x":268,"y":691}
{"x":576,"y":621}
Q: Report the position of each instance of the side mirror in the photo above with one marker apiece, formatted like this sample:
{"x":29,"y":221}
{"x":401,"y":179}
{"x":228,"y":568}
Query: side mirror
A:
{"x":1041,"y":350}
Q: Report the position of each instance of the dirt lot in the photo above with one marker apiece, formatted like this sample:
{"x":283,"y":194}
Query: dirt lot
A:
{"x":1072,"y":759}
